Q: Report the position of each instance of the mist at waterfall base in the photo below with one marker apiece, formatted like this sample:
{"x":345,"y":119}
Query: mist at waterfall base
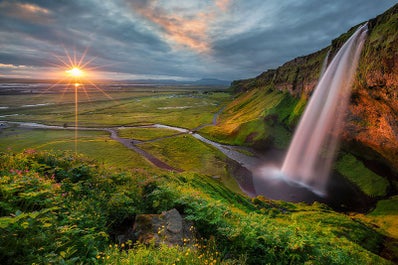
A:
{"x":303,"y":175}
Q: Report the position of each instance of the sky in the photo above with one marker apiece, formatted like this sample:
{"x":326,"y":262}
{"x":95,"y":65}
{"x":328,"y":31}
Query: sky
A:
{"x":169,"y":39}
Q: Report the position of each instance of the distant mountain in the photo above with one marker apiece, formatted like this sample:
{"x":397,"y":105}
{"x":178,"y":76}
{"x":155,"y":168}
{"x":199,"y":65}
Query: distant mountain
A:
{"x":211,"y":82}
{"x":200,"y":82}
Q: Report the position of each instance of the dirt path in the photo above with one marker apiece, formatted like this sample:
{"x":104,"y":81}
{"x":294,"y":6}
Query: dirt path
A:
{"x":130,"y":145}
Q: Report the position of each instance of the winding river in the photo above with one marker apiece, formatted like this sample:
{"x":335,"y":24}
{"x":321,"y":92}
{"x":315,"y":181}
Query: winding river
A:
{"x":245,"y":168}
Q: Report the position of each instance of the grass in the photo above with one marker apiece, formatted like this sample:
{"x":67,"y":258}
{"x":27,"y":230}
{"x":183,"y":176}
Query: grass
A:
{"x":145,"y":134}
{"x":60,"y":208}
{"x":188,"y":110}
{"x":385,"y":215}
{"x":94,"y":144}
{"x":257,"y":116}
{"x":355,"y":171}
{"x":188,"y":153}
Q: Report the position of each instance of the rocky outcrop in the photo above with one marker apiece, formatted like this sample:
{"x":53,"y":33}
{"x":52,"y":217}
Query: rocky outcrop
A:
{"x":169,"y":227}
{"x":372,"y":119}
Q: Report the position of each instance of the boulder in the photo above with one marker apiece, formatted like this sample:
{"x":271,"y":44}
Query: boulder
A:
{"x":169,"y":227}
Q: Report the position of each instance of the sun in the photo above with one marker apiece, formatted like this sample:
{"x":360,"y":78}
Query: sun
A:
{"x":75,"y":72}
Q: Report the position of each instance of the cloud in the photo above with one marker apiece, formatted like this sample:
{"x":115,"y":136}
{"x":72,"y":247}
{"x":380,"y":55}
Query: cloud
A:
{"x":226,"y":39}
{"x":223,"y":4}
{"x":11,"y":66}
{"x":25,"y":11}
{"x":180,"y":25}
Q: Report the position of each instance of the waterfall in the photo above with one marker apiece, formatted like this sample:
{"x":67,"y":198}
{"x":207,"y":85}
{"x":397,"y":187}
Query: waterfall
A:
{"x":312,"y":150}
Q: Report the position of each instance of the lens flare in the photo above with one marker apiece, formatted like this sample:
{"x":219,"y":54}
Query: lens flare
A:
{"x":75,"y":72}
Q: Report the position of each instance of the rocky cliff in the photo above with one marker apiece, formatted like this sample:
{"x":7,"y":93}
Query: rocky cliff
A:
{"x":372,"y":121}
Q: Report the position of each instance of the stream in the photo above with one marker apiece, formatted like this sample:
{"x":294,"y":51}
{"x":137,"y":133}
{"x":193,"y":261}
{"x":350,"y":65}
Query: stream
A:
{"x":246,"y":169}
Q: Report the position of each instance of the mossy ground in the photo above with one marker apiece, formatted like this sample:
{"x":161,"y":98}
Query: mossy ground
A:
{"x":355,"y":171}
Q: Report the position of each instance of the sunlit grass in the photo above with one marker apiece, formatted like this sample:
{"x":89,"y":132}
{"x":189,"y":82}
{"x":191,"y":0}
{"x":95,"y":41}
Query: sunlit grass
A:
{"x":188,"y":110}
{"x":145,"y":134}
{"x":385,"y":216}
{"x":188,"y":153}
{"x":94,"y":144}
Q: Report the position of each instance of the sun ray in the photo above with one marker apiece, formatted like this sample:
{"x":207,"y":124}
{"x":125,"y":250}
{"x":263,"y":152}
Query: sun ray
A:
{"x":88,"y":62}
{"x":82,"y":59}
{"x":76,"y":71}
{"x":76,"y":116}
{"x":74,"y":56}
{"x":103,"y":92}
{"x":69,"y":58}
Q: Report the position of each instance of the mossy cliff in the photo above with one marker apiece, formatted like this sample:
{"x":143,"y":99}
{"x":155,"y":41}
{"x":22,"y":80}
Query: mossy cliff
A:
{"x":372,"y":122}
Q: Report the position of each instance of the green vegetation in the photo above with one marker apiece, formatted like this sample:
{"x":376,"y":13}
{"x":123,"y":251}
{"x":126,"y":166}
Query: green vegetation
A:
{"x":182,"y":109}
{"x":145,"y":134}
{"x":385,"y":215}
{"x":187,"y":153}
{"x":369,"y":182}
{"x":257,"y":117}
{"x":94,"y":144}
{"x":62,"y":208}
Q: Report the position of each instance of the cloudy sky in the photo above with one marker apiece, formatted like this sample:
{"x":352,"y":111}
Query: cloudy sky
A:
{"x":130,"y":39}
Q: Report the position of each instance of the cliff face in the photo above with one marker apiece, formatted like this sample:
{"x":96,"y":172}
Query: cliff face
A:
{"x":372,"y":118}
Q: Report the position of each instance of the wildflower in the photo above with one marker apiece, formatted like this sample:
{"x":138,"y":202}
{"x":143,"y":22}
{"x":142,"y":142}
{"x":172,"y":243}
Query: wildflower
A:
{"x":98,"y":256}
{"x":122,"y":245}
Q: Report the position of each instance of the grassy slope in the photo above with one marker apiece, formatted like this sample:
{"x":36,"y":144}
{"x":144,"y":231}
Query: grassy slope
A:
{"x":187,"y":153}
{"x":257,"y":116}
{"x":60,"y":208}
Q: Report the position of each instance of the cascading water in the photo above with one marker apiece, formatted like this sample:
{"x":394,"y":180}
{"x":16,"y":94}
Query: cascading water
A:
{"x":311,"y":153}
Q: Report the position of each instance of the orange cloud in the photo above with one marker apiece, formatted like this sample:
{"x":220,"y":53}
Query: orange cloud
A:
{"x":29,"y":12}
{"x":191,"y":31}
{"x":223,"y":4}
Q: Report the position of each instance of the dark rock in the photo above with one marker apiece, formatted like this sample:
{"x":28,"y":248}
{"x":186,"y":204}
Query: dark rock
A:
{"x":168,"y":227}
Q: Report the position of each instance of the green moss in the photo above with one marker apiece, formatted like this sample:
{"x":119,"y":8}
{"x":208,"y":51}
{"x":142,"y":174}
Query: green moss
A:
{"x":355,"y":171}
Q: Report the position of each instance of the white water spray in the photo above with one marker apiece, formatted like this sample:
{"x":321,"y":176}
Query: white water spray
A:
{"x":312,"y":150}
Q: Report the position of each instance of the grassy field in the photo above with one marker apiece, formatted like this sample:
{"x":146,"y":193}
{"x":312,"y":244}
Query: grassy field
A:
{"x":177,"y":107}
{"x":183,"y":109}
{"x":187,"y":153}
{"x":145,"y":134}
{"x":94,"y":144}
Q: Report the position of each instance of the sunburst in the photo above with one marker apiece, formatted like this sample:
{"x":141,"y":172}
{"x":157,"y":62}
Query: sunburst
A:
{"x":76,"y":74}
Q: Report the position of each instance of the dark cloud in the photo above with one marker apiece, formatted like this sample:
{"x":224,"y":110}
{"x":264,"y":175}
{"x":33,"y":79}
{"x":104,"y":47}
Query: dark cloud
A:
{"x":227,"y":39}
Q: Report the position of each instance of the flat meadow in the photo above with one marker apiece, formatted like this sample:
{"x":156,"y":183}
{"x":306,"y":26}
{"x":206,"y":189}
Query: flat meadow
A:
{"x":122,"y":109}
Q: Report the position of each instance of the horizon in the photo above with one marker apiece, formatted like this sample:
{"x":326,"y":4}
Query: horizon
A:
{"x":147,"y":40}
